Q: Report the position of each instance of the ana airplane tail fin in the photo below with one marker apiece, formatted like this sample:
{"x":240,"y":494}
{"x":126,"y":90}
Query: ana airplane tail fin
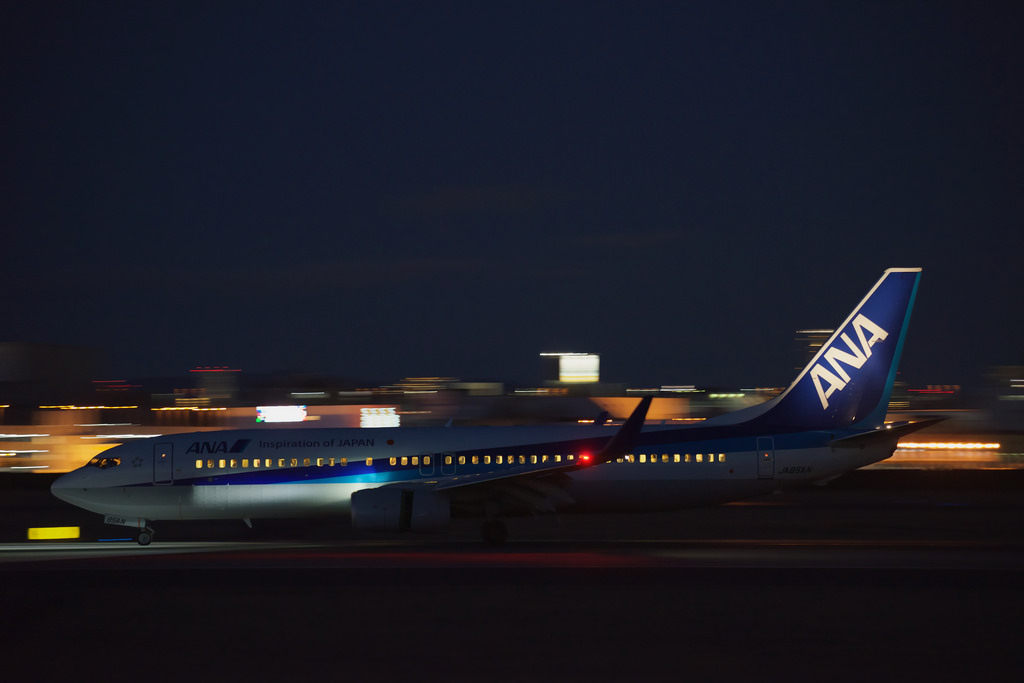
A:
{"x":849,"y":381}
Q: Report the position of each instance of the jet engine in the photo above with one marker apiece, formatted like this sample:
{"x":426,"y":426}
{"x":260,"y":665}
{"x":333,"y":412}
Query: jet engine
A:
{"x":395,"y":509}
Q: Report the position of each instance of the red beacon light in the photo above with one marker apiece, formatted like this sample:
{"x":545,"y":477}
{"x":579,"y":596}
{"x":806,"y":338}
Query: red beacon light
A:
{"x":584,"y":458}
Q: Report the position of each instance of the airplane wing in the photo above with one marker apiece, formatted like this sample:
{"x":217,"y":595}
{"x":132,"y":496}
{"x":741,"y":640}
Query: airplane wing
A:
{"x":534,"y":487}
{"x":620,"y":444}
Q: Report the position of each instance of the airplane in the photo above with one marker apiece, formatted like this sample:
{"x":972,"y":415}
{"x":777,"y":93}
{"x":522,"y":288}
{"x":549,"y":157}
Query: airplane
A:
{"x":829,"y":421}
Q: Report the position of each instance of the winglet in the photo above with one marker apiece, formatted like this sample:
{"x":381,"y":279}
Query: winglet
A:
{"x":625,"y":438}
{"x":617,"y":446}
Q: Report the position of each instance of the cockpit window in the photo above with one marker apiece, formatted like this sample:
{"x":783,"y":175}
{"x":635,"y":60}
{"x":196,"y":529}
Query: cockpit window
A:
{"x":103,"y":462}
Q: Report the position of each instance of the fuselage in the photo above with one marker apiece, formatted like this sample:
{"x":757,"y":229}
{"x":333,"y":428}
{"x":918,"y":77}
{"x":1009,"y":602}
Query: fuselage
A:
{"x":256,"y":474}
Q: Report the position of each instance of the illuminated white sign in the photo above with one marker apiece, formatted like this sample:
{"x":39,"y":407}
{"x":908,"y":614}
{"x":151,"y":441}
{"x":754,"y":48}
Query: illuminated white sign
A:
{"x":577,"y":367}
{"x":280,"y":413}
{"x":583,"y":368}
{"x":379,"y":417}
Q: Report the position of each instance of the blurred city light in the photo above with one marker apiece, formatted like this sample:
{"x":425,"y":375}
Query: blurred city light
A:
{"x":947,"y":445}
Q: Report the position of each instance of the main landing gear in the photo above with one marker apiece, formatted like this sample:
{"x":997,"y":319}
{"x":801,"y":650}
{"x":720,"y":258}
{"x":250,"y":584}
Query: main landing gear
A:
{"x":493,"y":532}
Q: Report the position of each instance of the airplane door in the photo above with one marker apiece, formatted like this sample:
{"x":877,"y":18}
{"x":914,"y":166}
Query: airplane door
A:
{"x":163,"y":461}
{"x":427,"y":465}
{"x":447,"y":464}
{"x":765,"y":457}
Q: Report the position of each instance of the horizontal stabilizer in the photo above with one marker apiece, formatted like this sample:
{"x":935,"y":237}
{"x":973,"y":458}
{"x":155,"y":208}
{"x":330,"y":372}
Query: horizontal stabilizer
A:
{"x":888,"y":433}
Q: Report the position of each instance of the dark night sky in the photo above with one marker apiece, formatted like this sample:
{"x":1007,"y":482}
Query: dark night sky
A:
{"x":388,"y":189}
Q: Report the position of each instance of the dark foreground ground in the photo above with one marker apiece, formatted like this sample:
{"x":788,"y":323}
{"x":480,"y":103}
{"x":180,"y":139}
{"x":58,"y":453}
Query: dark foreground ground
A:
{"x":879,"y":577}
{"x":514,"y":625}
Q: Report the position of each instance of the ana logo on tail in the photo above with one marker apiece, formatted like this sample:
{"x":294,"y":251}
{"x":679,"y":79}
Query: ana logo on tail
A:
{"x":855,"y":358}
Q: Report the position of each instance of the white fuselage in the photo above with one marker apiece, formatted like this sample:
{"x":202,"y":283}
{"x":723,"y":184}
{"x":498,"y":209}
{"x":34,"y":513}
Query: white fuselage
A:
{"x":309,"y":473}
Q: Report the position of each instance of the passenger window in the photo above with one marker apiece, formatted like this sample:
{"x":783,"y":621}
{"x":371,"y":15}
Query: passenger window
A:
{"x":405,"y":461}
{"x":643,"y":457}
{"x":416,"y":460}
{"x":721,"y":457}
{"x":686,"y":458}
{"x":476,"y":460}
{"x":369,"y":462}
{"x":199,"y":464}
{"x":700,"y":457}
{"x":209,"y":464}
{"x":320,"y":462}
{"x":344,"y":462}
{"x":533,"y":459}
{"x":280,"y":462}
{"x":497,"y":459}
{"x":522,"y":459}
{"x":487,"y":460}
{"x":675,"y":458}
{"x":245,"y":462}
{"x":462,"y":460}
{"x":234,"y":463}
{"x":393,"y":461}
{"x":447,"y":460}
{"x":426,"y":460}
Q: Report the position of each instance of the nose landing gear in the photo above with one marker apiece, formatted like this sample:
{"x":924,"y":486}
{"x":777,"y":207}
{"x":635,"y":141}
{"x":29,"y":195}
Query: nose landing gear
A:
{"x":146,"y":536}
{"x":146,"y":532}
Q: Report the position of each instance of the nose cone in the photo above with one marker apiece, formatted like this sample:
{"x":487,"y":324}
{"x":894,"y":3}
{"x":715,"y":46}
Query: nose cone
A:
{"x":70,"y":488}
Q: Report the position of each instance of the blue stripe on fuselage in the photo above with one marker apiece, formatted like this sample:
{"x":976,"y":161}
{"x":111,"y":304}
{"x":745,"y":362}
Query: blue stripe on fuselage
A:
{"x":726,"y":439}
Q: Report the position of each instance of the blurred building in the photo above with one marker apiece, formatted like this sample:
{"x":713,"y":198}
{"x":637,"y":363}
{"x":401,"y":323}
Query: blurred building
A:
{"x":808,"y":342}
{"x":54,"y":416}
{"x":47,"y":371}
{"x":575,"y":373}
{"x":1004,"y":390}
{"x":572,"y":367}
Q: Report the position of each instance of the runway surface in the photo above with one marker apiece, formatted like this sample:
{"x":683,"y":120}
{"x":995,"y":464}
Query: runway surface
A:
{"x":881,"y":578}
{"x":798,"y":553}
